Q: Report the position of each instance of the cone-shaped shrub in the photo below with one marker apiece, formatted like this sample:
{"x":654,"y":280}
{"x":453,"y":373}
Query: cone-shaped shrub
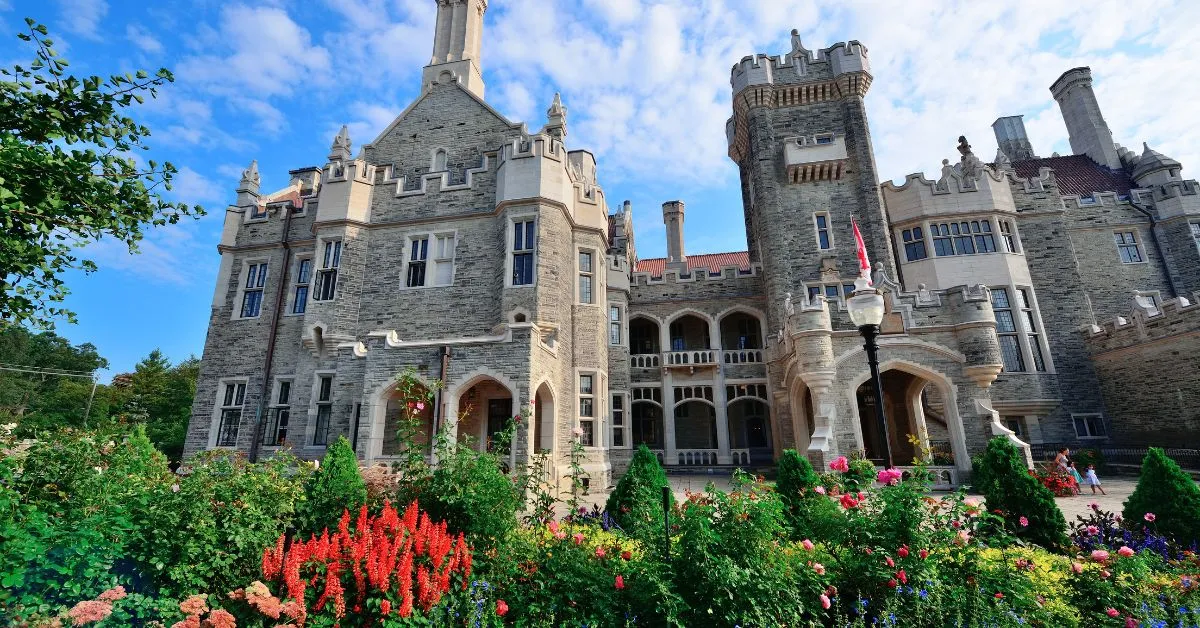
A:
{"x":1017,"y":494}
{"x":636,"y":502}
{"x":809,"y":514}
{"x":1170,"y":494}
{"x":337,"y":486}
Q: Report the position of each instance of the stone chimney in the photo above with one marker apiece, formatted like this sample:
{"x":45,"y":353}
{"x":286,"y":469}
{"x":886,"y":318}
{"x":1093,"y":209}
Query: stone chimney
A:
{"x":1011,"y":138}
{"x":457,"y":39}
{"x":673,"y":218}
{"x":1088,"y":132}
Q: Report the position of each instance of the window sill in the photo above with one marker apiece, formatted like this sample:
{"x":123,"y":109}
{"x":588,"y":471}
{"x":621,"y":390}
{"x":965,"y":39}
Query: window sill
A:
{"x":417,"y":288}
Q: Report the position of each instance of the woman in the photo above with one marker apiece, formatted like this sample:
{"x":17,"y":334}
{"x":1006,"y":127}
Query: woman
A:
{"x":1062,"y":462}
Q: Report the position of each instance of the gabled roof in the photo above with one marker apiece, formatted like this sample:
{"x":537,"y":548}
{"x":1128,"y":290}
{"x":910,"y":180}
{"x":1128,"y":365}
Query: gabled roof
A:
{"x":712,"y":262}
{"x":1077,"y":175}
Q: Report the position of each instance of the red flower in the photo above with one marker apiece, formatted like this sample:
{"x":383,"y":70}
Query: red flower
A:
{"x":501,"y":608}
{"x":892,"y":584}
{"x":626,"y":555}
{"x":1112,"y":612}
{"x":385,"y":607}
{"x":999,"y":596}
{"x":620,"y":583}
{"x":902,"y":576}
{"x":923,"y":554}
{"x":902,"y":552}
{"x":889,"y":561}
{"x":848,"y":502}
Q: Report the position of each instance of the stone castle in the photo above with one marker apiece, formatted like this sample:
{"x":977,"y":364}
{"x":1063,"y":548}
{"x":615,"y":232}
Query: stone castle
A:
{"x":1028,"y":297}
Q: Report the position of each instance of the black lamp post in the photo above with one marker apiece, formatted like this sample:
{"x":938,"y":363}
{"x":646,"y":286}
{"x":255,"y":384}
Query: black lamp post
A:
{"x":866,"y":312}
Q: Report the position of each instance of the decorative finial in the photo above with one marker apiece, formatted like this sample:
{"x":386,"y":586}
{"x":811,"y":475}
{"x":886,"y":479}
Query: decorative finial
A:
{"x":340,"y":150}
{"x":970,"y":165}
{"x":556,"y":118}
{"x":796,"y":45}
{"x":250,"y":178}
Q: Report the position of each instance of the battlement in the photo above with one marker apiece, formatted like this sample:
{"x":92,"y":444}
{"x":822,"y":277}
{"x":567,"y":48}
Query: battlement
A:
{"x":761,"y":69}
{"x":1072,"y":201}
{"x":1175,"y":189}
{"x":1175,"y":198}
{"x":1147,"y":322}
{"x":953,"y":193}
{"x":386,"y":175}
{"x":696,"y":275}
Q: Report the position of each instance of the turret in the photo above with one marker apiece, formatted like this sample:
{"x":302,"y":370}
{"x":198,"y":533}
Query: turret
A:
{"x":1086,"y":128}
{"x":1012,"y":139}
{"x":1154,"y":168}
{"x":456,"y":45}
{"x":247,"y":189}
{"x":673,"y":219}
{"x":556,"y":119}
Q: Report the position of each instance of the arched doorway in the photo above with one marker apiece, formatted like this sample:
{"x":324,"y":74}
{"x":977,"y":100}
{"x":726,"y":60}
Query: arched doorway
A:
{"x":740,"y":330}
{"x":407,"y":419}
{"x":903,"y":408}
{"x":696,"y":430}
{"x":643,"y":336}
{"x":689,"y":333}
{"x":484,"y":409}
{"x":750,"y":428}
{"x":543,"y":420}
{"x":646,"y":419}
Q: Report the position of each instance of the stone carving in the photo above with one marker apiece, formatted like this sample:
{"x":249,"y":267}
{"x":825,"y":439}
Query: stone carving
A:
{"x":969,"y":164}
{"x":797,"y":47}
{"x":340,"y":150}
{"x":788,"y":307}
{"x":250,"y":178}
{"x":1002,"y":161}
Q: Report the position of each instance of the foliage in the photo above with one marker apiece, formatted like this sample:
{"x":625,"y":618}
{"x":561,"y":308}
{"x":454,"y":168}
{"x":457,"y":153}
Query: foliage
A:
{"x":470,"y":492}
{"x":1085,"y":456}
{"x":36,"y":401}
{"x":70,"y":176}
{"x":1027,"y":507}
{"x":1170,"y":494}
{"x":636,"y":501}
{"x":860,"y":476}
{"x":1101,"y":529}
{"x":336,"y":486}
{"x":1059,"y":483}
{"x":809,"y":513}
{"x":160,"y":395}
{"x":205,"y":531}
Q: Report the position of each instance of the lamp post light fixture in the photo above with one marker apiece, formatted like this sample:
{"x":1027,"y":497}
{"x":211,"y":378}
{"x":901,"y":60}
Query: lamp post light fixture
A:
{"x":866,"y":312}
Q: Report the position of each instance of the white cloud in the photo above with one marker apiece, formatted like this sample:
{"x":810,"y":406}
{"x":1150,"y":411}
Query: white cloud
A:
{"x":83,"y":17}
{"x":194,"y":188}
{"x":143,"y":39}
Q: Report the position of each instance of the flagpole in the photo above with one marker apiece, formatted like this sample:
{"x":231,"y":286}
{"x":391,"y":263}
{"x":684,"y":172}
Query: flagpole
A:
{"x":866,"y":310}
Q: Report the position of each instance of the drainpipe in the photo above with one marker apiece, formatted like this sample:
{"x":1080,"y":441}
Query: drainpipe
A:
{"x":275,"y":313}
{"x":1162,"y":259}
{"x":439,"y":415}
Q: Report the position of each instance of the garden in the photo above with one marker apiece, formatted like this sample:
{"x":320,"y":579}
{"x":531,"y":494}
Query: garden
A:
{"x":98,"y":530}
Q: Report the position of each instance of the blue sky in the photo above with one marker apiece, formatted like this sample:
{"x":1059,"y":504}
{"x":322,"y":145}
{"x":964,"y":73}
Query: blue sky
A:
{"x":646,"y":83}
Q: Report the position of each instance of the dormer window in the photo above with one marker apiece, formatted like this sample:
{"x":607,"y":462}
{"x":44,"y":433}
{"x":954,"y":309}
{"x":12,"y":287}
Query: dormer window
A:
{"x":824,"y":139}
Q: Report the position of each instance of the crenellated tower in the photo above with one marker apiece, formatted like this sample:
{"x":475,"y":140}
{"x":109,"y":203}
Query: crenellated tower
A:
{"x":800,"y":138}
{"x":457,"y":39}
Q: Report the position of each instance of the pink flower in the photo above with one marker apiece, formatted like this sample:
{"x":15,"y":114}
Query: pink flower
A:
{"x":578,"y":536}
{"x":902,"y":552}
{"x":1125,"y":551}
{"x":971,"y":502}
{"x":1093,"y":530}
{"x":1130,"y":622}
{"x":819,"y":568}
{"x":1099,"y":555}
{"x":1094,"y":506}
{"x":1112,"y":612}
{"x":420,"y":406}
{"x":889,"y":476}
{"x":620,"y":582}
{"x":517,"y":419}
{"x":501,"y":608}
{"x":840,"y":464}
{"x":924,"y":553}
{"x":560,"y":535}
{"x":599,"y":552}
{"x":892,"y":584}
{"x":577,"y":432}
{"x":1024,"y":522}
{"x":221,"y":618}
{"x":1077,"y":568}
{"x":820,"y":490}
{"x":89,"y":611}
{"x":1150,"y":517}
{"x":194,"y":605}
{"x":848,"y":502}
{"x":902,"y":576}
{"x":824,"y":601}
{"x":889,"y":561}
{"x":1104,"y":573}
{"x":113,"y":594}
{"x":553,"y":525}
{"x":806,"y":544}
{"x":962,"y":538}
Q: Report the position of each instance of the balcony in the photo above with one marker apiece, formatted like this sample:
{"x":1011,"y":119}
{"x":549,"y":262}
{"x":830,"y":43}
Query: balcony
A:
{"x":644,"y":361}
{"x":692,"y":358}
{"x":742,"y":356}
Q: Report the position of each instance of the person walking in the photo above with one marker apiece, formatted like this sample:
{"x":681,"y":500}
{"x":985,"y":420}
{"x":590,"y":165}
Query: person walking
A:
{"x":1061,"y":460}
{"x":1094,"y":481}
{"x":1078,"y":478}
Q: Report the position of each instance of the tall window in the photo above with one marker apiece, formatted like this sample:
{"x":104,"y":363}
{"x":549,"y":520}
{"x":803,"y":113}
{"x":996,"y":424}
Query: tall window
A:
{"x":914,"y":244}
{"x":416,"y":262}
{"x":586,"y":277}
{"x":1127,"y":247}
{"x":443,"y":259}
{"x":303,"y":276}
{"x":256,"y":278}
{"x":942,"y":245}
{"x":963,"y":238}
{"x":1028,"y":317}
{"x":524,"y":242}
{"x":824,"y":239}
{"x":327,"y":276}
{"x":614,"y":325}
{"x":324,"y":409}
{"x":618,"y":420}
{"x":1006,"y":329}
{"x":1089,"y":426}
{"x":1196,"y":233}
{"x":278,"y":416}
{"x":231,"y":414}
{"x":587,"y":409}
{"x":985,"y":242}
{"x":1006,"y":233}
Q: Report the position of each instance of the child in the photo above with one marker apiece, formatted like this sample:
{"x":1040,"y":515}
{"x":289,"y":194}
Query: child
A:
{"x":1093,"y":480}
{"x":1078,"y":478}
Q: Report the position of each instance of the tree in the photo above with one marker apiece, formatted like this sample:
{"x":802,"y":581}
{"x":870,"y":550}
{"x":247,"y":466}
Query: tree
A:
{"x":1009,"y":488}
{"x":636,"y":501}
{"x":1170,"y":494}
{"x":36,"y":401}
{"x":159,"y":395}
{"x":69,"y":175}
{"x":337,"y":486}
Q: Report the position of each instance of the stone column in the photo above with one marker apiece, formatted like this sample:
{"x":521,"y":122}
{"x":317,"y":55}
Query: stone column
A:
{"x":670,"y":457}
{"x":723,"y":455}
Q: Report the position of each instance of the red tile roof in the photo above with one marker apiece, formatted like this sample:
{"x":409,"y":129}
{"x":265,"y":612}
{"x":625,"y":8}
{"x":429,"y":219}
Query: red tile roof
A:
{"x":712,"y":262}
{"x":1077,"y":175}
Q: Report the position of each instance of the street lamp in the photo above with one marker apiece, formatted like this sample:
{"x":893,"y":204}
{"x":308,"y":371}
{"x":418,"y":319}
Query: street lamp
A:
{"x":866,"y":312}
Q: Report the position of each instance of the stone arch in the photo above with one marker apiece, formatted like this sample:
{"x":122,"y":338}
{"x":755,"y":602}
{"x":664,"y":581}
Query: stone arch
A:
{"x":378,"y":410}
{"x":696,"y":335}
{"x":750,"y":427}
{"x":519,"y":315}
{"x":643,"y":340}
{"x":695,"y":424}
{"x":733,"y":337}
{"x":945,"y":386}
{"x":473,"y":419}
{"x":542,"y":422}
{"x":437,"y":160}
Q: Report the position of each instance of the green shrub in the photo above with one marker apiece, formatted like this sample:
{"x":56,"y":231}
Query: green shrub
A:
{"x":470,"y":492}
{"x":1009,"y":488}
{"x":1083,"y":457}
{"x":861,"y":475}
{"x":636,"y":501}
{"x":810,"y":514}
{"x":206,"y":531}
{"x":337,"y":486}
{"x":1171,"y":494}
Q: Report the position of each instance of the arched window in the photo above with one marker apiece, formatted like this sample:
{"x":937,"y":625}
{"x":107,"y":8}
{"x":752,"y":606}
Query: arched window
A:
{"x":439,"y":160}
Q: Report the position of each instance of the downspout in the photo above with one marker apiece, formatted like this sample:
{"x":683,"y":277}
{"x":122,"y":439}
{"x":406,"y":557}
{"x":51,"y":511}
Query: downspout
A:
{"x":275,"y":313}
{"x":1162,"y":259}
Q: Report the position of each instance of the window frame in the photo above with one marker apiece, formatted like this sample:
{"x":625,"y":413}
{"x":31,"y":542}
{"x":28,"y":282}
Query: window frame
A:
{"x":220,"y":407}
{"x":331,"y":251}
{"x":511,"y":252}
{"x":618,"y":324}
{"x":826,"y":231}
{"x":590,"y":275}
{"x":590,"y":436}
{"x":1014,"y":333}
{"x":314,"y":437}
{"x":1122,"y":246}
{"x":1194,"y":230}
{"x":1008,"y":235}
{"x":1031,"y":320}
{"x":243,"y":290}
{"x":279,"y":406}
{"x":911,"y":238}
{"x":430,"y":261}
{"x":1086,"y":416}
{"x":299,"y":282}
{"x":624,"y":428}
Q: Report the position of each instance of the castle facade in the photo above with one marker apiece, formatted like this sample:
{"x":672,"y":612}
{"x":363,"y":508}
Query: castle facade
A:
{"x":484,"y":255}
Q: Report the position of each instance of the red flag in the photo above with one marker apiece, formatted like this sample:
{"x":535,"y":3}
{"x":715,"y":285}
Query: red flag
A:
{"x":864,"y":263}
